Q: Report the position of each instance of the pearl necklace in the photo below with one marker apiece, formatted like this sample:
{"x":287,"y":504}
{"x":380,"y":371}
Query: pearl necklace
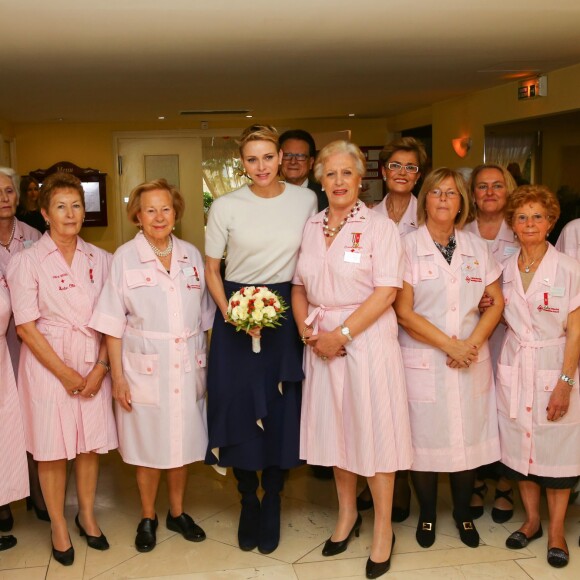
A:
{"x":7,"y":244}
{"x":161,"y":253}
{"x":331,"y":232}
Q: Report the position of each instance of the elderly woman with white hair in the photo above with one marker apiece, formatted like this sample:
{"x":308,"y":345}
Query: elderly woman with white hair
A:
{"x":354,"y":410}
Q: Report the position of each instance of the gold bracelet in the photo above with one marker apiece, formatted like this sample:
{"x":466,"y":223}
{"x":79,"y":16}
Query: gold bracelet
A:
{"x":105,"y":364}
{"x":302,"y":337}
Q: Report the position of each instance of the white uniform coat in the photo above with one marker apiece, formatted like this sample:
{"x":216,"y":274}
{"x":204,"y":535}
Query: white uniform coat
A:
{"x":530,"y":364}
{"x":408,"y":221}
{"x":161,"y":319}
{"x":13,"y":465}
{"x":453,"y":411}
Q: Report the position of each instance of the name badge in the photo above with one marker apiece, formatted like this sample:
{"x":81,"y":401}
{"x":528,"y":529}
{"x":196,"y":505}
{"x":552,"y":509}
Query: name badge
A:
{"x":556,"y":291}
{"x":352,"y":257}
{"x":510,"y":250}
{"x":188,"y":271}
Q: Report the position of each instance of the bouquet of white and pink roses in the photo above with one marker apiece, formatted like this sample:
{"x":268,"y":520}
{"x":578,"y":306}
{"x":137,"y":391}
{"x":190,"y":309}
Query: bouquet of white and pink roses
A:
{"x":255,"y":307}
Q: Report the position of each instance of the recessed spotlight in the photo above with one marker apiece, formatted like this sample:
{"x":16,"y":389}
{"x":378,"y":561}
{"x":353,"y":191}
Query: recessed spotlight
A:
{"x":249,"y":116}
{"x":161,"y":118}
{"x":351,"y":114}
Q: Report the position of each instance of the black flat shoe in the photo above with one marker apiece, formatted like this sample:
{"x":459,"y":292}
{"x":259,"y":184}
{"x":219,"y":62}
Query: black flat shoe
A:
{"x":333,"y":548}
{"x":481,"y":491}
{"x":376,"y":569}
{"x":364,"y":504}
{"x":468,"y":534}
{"x":146,"y":537}
{"x":94,"y":542}
{"x":7,"y":542}
{"x":65,"y":558}
{"x":185,"y":525}
{"x":519,"y":540}
{"x":502,"y":516}
{"x":40,"y":513}
{"x":558,"y":558}
{"x":425,"y":533}
{"x":6,"y":524}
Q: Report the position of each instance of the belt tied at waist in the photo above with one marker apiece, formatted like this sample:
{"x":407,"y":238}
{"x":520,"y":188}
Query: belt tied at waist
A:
{"x":318,"y":314}
{"x":179,"y":340}
{"x":68,"y":332}
{"x":527,"y":350}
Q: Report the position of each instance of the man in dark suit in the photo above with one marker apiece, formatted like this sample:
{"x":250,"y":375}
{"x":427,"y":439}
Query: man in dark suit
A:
{"x":299,"y":151}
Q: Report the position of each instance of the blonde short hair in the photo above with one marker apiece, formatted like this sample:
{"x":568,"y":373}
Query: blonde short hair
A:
{"x":258,"y":133}
{"x":509,"y":181}
{"x":134,"y":205}
{"x":533,"y":194}
{"x":432,"y":181}
{"x":337,"y":147}
{"x":409,"y":144}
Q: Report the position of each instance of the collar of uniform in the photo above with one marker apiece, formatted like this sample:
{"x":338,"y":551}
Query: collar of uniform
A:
{"x":179,"y":250}
{"x":426,"y":246}
{"x":18,"y":231}
{"x":46,"y":246}
{"x":505,"y":233}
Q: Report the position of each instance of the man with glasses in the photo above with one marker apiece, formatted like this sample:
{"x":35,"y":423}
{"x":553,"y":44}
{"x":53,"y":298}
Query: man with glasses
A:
{"x":299,"y":151}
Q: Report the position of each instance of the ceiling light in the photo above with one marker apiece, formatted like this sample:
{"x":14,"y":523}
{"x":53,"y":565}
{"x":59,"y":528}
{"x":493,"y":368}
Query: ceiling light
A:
{"x":351,"y":114}
{"x":161,"y":118}
{"x":249,"y":116}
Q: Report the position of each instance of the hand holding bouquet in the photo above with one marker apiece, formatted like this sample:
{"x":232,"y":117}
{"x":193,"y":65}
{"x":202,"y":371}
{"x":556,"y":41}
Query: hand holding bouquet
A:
{"x":255,"y":307}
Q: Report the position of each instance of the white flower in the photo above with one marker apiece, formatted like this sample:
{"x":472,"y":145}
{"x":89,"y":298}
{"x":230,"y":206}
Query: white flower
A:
{"x":257,"y":315}
{"x":234,"y":313}
{"x":270,"y":312}
{"x":258,"y":304}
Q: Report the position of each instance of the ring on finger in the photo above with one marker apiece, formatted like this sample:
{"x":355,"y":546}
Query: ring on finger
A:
{"x":76,"y":392}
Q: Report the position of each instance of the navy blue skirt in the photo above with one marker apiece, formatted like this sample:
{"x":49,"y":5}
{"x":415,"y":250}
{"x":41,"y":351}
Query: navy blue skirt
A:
{"x":242,"y":388}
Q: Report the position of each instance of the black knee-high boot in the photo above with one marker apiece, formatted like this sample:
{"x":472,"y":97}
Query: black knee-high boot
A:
{"x":272,"y":484}
{"x":248,"y":529}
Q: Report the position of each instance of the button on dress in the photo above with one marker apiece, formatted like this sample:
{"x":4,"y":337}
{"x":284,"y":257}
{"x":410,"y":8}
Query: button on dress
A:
{"x":60,"y":299}
{"x":161,"y":319}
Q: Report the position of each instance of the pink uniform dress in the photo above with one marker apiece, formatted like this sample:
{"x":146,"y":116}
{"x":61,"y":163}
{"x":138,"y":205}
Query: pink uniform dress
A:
{"x":24,"y":237}
{"x":530,"y":365}
{"x":13,"y":465}
{"x":408,"y":221}
{"x":354,"y":408}
{"x":161,"y":318}
{"x":503,"y":247}
{"x":453,"y":411}
{"x":60,"y":299}
{"x":569,"y":239}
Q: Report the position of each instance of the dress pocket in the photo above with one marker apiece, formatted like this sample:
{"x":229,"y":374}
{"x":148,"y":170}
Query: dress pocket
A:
{"x":142,"y":374}
{"x":481,"y":373}
{"x":419,"y":374}
{"x":201,"y":374}
{"x":138,"y":278}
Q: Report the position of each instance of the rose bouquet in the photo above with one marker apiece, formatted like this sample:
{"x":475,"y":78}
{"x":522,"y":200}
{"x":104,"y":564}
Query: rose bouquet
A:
{"x":255,"y":307}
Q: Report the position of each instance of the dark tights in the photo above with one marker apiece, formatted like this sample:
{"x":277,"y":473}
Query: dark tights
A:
{"x":425,"y":484}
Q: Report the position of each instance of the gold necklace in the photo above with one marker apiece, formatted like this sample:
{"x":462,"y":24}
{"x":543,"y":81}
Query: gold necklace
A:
{"x":527,"y":268}
{"x":391,"y":209}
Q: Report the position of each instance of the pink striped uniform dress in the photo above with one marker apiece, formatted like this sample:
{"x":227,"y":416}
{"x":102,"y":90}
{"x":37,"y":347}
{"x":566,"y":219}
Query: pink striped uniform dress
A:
{"x":13,"y":466}
{"x":354,"y":408}
{"x":61,"y":299}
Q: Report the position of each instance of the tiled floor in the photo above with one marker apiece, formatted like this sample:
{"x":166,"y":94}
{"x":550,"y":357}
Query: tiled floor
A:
{"x":309,"y":511}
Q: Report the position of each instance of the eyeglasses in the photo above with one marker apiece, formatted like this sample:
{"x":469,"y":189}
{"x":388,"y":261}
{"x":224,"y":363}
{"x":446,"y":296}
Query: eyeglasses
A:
{"x":448,"y":194}
{"x":298,"y":156}
{"x":409,"y":168}
{"x":493,"y":187}
{"x":522,"y":218}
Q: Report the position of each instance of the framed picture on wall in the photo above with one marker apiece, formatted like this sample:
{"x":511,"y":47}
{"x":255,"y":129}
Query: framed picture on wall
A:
{"x":94,"y":186}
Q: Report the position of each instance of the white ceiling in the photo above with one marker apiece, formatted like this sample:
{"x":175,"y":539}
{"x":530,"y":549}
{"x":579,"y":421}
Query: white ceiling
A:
{"x":133,"y":60}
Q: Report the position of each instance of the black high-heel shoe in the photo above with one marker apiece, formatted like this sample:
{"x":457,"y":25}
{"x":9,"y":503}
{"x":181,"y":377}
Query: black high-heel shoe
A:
{"x":363,"y":504}
{"x":481,"y":491}
{"x":502,"y":516}
{"x":94,"y":542}
{"x":65,"y":558}
{"x":333,"y":548}
{"x":376,"y":569}
{"x":40,"y":513}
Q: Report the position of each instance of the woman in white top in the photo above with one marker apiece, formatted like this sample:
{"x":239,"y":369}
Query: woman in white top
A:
{"x":490,"y":187}
{"x":254,"y":399}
